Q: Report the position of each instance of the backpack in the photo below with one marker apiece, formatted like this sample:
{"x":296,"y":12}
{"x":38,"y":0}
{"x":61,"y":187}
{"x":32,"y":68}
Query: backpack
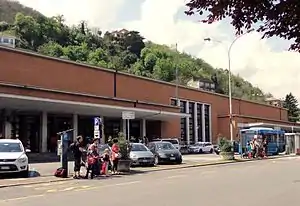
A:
{"x":60,"y":172}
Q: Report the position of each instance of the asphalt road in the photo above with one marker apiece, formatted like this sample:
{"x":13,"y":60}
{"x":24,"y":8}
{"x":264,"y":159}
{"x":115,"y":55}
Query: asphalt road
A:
{"x":263,"y":183}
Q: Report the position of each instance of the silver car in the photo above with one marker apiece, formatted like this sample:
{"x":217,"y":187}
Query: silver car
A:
{"x":141,"y":155}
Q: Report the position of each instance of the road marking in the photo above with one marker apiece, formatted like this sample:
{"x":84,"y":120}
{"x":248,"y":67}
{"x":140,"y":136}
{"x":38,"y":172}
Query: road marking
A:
{"x":21,"y":198}
{"x":68,"y":189}
{"x":175,"y":176}
{"x":104,"y":186}
{"x":52,"y":191}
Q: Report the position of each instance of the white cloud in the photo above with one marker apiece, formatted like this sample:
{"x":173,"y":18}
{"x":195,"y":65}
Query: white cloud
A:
{"x":251,"y":57}
{"x":98,"y":13}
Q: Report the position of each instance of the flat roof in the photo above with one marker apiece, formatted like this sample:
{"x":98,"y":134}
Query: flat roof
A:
{"x":31,"y":53}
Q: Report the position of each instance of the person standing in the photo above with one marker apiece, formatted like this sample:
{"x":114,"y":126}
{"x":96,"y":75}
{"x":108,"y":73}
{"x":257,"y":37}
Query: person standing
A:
{"x":93,"y":157}
{"x":77,"y":149}
{"x":115,"y":156}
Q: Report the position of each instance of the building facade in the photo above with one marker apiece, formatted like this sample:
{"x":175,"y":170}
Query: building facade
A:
{"x":41,"y":96}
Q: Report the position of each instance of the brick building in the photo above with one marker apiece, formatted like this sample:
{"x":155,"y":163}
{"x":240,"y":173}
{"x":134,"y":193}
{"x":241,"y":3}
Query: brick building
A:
{"x":40,"y":96}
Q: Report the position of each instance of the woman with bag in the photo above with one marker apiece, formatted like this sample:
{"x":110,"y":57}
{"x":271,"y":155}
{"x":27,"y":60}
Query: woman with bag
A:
{"x":115,"y":156}
{"x":92,"y":158}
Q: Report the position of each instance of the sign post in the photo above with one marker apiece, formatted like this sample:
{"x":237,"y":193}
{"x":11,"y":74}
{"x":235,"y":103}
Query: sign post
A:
{"x":65,"y":137}
{"x":128,"y":115}
{"x":97,"y":128}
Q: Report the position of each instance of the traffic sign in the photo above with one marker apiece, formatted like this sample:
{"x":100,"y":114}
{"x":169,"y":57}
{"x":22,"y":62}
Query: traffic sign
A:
{"x":128,"y":115}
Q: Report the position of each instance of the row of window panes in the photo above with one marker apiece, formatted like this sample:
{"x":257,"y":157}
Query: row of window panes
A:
{"x":207,"y":123}
{"x":199,"y":122}
{"x":183,"y":130}
{"x":191,"y":125}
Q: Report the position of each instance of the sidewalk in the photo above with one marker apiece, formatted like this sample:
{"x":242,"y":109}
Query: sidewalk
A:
{"x":46,"y":170}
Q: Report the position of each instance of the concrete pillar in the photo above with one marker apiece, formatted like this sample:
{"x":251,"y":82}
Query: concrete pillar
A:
{"x":187,"y":123}
{"x":203,"y":122}
{"x":7,"y":129}
{"x":195,"y":123}
{"x":143,"y":126}
{"x":44,"y":132}
{"x":103,"y":139}
{"x":75,"y":126}
{"x":123,"y":126}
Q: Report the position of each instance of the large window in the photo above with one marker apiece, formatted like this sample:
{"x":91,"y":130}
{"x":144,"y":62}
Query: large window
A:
{"x":199,"y":122}
{"x":183,"y":123}
{"x":191,"y":122}
{"x":207,"y":122}
{"x":173,"y":102}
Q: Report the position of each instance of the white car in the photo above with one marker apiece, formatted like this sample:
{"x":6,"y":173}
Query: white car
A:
{"x":173,"y":141}
{"x":202,"y":147}
{"x":13,"y":158}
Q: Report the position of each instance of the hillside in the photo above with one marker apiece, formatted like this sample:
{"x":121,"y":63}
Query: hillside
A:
{"x":9,"y":9}
{"x":121,"y":50}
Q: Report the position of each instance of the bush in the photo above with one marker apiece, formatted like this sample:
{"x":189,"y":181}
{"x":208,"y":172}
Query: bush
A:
{"x":124,"y":146}
{"x":225,"y":145}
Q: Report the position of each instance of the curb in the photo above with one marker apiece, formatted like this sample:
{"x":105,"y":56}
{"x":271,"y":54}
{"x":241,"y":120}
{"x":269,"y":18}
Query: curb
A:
{"x":217,"y":163}
{"x":34,"y":183}
{"x":154,"y":170}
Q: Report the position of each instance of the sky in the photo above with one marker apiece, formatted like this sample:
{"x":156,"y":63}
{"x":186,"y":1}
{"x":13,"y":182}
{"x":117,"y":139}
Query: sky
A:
{"x":266,"y":63}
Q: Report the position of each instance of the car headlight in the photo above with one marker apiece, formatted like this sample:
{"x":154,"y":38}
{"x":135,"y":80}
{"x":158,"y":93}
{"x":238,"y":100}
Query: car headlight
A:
{"x":133,"y":156}
{"x":163,"y":155}
{"x":22,"y":159}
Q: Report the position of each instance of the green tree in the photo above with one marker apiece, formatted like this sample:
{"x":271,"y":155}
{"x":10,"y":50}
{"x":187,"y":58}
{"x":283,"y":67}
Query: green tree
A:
{"x":291,"y":104}
{"x":275,"y":18}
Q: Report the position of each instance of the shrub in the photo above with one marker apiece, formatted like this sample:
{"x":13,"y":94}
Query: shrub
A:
{"x":124,"y":146}
{"x":225,"y":145}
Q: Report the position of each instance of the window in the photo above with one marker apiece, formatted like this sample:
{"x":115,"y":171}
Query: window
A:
{"x":5,"y":40}
{"x":183,"y":106}
{"x":191,"y":122}
{"x":199,"y":122}
{"x":183,"y":138}
{"x":173,"y":102}
{"x":207,"y":122}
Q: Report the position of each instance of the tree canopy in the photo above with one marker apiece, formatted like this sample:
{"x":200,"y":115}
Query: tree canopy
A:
{"x":275,"y":18}
{"x":120,"y":50}
{"x":291,"y":104}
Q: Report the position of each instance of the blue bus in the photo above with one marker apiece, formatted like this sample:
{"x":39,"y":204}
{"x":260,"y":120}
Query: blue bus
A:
{"x":275,"y":138}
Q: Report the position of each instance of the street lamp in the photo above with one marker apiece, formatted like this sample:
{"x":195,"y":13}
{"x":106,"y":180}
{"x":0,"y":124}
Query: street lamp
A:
{"x":229,"y":78}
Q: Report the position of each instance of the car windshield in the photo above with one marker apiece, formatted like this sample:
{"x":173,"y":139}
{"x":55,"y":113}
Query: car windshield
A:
{"x":199,"y":144}
{"x":10,"y":147}
{"x":172,"y":141}
{"x":165,"y":146}
{"x":138,"y":148}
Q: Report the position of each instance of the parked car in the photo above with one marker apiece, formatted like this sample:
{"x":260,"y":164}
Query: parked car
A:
{"x":13,"y":158}
{"x":141,"y":155}
{"x":165,"y":152}
{"x":173,"y":141}
{"x":217,"y":149}
{"x":202,"y":147}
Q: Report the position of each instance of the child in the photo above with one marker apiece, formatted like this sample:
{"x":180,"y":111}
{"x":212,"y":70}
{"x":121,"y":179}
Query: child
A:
{"x":105,"y":163}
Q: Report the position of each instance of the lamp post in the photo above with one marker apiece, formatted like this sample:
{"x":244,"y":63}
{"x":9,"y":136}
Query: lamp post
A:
{"x":229,"y":79}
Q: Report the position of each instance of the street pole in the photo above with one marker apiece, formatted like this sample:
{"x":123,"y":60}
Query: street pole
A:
{"x":128,"y":132}
{"x":177,"y":80}
{"x":229,"y":84}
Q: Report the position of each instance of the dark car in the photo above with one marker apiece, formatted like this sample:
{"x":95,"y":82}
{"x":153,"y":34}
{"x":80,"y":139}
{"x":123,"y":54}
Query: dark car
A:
{"x":165,"y":152}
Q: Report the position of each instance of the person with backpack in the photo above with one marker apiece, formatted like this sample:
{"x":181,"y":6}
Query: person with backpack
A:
{"x":92,"y":159}
{"x":77,"y":149}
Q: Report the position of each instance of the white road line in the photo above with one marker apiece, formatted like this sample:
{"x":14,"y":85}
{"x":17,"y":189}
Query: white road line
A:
{"x":175,"y":176}
{"x":127,"y":183}
{"x":21,"y":198}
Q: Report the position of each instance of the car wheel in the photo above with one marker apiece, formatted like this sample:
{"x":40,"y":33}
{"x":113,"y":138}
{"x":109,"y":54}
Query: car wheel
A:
{"x":200,"y":151}
{"x":24,"y":174}
{"x":211,"y":151}
{"x":156,"y":160}
{"x":179,"y":161}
